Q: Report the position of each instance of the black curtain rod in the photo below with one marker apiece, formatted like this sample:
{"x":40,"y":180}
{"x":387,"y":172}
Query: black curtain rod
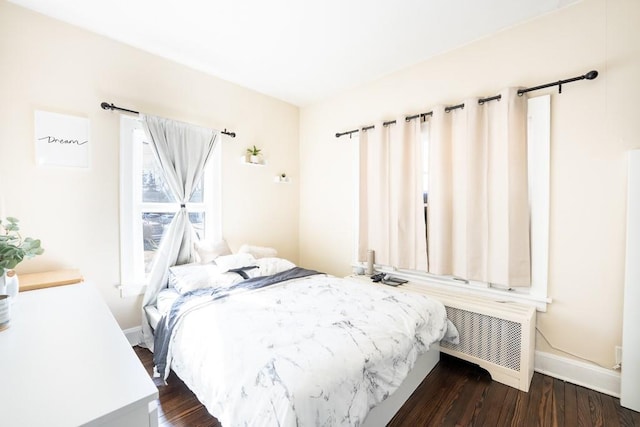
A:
{"x":589,"y":76}
{"x":107,"y":106}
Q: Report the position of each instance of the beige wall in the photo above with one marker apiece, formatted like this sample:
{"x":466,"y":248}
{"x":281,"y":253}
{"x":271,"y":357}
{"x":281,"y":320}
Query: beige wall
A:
{"x":593,"y":125}
{"x":48,"y":65}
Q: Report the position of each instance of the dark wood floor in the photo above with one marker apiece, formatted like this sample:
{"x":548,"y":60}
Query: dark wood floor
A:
{"x":454,"y":394}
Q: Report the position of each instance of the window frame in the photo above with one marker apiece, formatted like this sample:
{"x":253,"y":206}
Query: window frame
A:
{"x":133,"y":279}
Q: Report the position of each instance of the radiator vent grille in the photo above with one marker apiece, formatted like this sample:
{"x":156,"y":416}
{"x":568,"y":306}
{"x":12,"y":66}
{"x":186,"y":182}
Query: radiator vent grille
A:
{"x":488,"y":338}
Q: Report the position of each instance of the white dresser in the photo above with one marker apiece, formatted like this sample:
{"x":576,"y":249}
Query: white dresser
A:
{"x":65,"y":362}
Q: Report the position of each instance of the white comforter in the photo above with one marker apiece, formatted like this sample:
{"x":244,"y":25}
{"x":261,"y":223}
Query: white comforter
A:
{"x":317,"y":351}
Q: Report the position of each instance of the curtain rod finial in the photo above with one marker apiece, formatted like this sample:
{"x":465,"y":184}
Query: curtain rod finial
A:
{"x":591,"y":75}
{"x":106,"y":106}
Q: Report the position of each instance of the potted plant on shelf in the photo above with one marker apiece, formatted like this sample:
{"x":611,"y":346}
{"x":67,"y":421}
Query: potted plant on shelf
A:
{"x":254,"y":154}
{"x":13,"y":249}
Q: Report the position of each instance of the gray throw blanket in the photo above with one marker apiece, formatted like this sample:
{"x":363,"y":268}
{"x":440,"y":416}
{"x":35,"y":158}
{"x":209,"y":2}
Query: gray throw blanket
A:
{"x":167,"y":323}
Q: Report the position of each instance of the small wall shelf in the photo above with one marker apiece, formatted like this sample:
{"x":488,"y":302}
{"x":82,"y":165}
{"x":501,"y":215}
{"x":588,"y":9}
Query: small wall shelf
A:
{"x":280,"y":180}
{"x":245,"y":160}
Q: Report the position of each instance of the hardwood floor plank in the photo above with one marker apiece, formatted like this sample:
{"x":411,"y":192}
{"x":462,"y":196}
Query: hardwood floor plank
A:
{"x":429,"y":397}
{"x":536,"y":400}
{"x":520,"y":409}
{"x":570,"y":405}
{"x":584,"y":407}
{"x":627,"y":417}
{"x":509,"y":407}
{"x":455,"y":393}
{"x":494,"y":397}
{"x":595,"y":407}
{"x":545,"y":407}
{"x":557,"y":416}
{"x":177,"y":405}
{"x":449,"y":394}
{"x":441,"y":405}
{"x":609,"y":412}
{"x":465,"y":408}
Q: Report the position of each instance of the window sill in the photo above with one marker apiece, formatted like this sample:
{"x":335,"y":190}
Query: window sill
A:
{"x":459,"y":287}
{"x":131,"y":290}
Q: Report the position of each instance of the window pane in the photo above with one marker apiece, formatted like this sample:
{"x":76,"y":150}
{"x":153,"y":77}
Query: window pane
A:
{"x":154,"y":187}
{"x":198,"y":194}
{"x":154,"y":225}
{"x":197,"y":220}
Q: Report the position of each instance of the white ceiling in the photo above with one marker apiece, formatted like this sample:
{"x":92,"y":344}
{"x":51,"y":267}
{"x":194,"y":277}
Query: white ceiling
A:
{"x":295,"y":50}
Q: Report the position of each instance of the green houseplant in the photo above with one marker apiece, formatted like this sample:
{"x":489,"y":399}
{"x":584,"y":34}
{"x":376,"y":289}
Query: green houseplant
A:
{"x":13,"y":247}
{"x":254,"y":154}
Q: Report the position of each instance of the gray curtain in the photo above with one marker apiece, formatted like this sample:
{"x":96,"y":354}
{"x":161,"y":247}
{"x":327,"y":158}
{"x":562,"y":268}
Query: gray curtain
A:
{"x":182,"y":151}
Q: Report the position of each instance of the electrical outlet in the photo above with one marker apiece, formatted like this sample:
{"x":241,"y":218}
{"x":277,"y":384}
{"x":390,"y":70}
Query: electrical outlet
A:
{"x":618,"y":351}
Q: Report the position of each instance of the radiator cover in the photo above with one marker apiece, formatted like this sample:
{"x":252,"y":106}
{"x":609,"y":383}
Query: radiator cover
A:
{"x":499,"y":336}
{"x":500,"y":341}
{"x":489,"y":338}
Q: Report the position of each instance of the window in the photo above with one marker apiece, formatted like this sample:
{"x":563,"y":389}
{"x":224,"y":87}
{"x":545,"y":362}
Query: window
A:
{"x":538,"y":158}
{"x":147,"y":207}
{"x":539,"y":178}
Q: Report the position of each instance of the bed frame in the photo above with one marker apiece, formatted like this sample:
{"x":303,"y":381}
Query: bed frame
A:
{"x":380,"y":415}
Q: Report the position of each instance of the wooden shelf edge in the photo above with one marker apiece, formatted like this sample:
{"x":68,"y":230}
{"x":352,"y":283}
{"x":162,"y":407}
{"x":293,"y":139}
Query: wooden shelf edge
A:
{"x":49,"y":279}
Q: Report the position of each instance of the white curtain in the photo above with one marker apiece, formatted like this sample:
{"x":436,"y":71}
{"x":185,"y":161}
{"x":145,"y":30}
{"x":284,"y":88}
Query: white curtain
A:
{"x":374,"y":194}
{"x":391,"y":210}
{"x":478,"y":218}
{"x":182,"y":151}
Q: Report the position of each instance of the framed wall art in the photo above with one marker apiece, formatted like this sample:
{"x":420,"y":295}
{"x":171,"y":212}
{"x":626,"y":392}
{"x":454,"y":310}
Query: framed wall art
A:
{"x":61,"y":140}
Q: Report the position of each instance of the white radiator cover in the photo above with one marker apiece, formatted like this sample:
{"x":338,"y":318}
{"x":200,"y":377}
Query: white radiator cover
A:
{"x":495,"y":340}
{"x":498,"y":336}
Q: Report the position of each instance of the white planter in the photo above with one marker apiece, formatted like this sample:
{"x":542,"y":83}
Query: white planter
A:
{"x":5,"y":311}
{"x":8,"y":292}
{"x":9,"y":284}
{"x":254,"y":159}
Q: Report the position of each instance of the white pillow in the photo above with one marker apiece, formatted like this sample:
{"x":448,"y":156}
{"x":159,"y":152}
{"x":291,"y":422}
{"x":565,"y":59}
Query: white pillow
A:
{"x":209,"y":251}
{"x":187,"y":277}
{"x":228,"y":262}
{"x":269,"y":266}
{"x":258,"y":251}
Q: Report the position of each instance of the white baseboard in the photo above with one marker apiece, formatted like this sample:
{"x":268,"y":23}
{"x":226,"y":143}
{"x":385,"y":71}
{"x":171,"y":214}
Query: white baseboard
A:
{"x":603,"y":380}
{"x":134,"y":335}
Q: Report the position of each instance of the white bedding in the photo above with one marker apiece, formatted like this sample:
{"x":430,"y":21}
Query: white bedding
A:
{"x":317,"y":351}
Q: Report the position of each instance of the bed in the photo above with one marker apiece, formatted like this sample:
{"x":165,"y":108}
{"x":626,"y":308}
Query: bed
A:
{"x":293,"y":347}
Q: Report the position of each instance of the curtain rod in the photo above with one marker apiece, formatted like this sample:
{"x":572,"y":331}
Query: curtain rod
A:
{"x":107,"y":106}
{"x":589,"y":76}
